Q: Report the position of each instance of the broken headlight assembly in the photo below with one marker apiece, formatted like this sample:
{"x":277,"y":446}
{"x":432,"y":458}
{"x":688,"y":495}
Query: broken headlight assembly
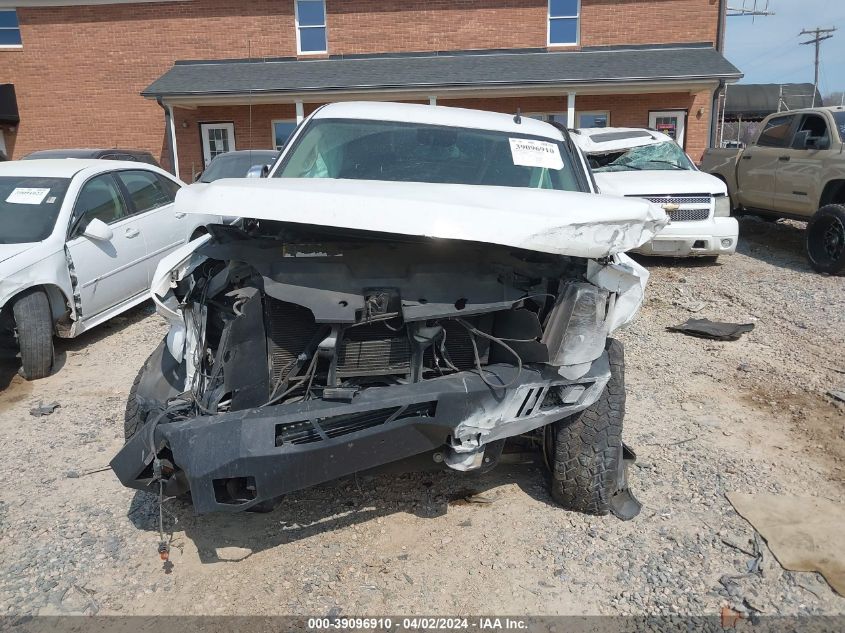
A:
{"x":576,"y":331}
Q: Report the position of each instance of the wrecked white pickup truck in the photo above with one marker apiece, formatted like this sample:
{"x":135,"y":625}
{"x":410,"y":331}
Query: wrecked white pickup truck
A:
{"x":410,"y":282}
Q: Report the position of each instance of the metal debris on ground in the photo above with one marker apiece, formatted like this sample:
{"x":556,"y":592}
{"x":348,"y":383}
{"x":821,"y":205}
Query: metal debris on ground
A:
{"x":837,"y":394}
{"x":717,"y":330}
{"x":44,"y":409}
{"x":479,"y":498}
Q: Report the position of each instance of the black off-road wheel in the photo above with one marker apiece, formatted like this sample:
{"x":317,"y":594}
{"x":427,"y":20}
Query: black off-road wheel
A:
{"x":826,"y":240}
{"x":585,"y":449}
{"x":133,"y":417}
{"x":34,"y":327}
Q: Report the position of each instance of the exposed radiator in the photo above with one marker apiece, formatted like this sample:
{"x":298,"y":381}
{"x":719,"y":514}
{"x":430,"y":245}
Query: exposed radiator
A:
{"x":373,"y":350}
{"x":290,"y":328}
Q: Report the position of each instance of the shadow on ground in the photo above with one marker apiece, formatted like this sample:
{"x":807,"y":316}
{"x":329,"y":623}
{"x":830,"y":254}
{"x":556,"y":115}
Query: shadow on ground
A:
{"x":337,"y":505}
{"x":778,"y":243}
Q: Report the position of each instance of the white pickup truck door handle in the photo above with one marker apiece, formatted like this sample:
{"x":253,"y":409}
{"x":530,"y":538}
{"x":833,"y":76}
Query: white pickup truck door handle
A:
{"x":179,"y":215}
{"x":783,"y":158}
{"x":132,"y":232}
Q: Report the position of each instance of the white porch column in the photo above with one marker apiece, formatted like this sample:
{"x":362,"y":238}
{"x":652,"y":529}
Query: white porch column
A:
{"x":570,"y":110}
{"x":432,"y":100}
{"x":173,"y":141}
{"x":300,"y":112}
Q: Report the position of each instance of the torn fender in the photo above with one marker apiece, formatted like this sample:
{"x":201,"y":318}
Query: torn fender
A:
{"x":549,"y":221}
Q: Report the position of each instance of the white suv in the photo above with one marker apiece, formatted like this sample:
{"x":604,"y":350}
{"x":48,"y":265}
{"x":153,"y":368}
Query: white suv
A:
{"x":648,"y":164}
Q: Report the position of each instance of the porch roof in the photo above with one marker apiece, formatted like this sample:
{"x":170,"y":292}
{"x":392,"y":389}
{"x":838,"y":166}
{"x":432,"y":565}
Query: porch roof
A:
{"x":432,"y":72}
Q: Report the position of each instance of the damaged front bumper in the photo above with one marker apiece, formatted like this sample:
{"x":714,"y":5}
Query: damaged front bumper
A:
{"x":234,"y":461}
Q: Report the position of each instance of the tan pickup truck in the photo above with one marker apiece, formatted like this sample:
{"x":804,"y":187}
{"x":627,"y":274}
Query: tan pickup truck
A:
{"x":794,"y":169}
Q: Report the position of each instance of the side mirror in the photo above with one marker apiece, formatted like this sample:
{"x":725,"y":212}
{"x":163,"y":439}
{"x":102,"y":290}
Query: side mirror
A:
{"x":98,"y":230}
{"x":258,"y":171}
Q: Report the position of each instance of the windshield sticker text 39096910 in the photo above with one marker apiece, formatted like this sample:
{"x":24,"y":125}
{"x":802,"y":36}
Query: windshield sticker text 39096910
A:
{"x":27,"y":195}
{"x":531,"y":153}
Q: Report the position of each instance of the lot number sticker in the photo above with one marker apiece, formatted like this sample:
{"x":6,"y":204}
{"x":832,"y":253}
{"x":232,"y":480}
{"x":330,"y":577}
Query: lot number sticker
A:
{"x":27,"y":195}
{"x":529,"y":153}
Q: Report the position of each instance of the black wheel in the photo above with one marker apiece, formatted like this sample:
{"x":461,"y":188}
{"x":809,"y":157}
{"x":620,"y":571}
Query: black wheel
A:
{"x":584,"y":450}
{"x":34,"y":327}
{"x":826,"y":240}
{"x":133,"y":417}
{"x":198,"y":232}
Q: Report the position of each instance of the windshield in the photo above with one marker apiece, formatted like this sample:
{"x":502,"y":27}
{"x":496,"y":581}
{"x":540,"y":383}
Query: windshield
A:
{"x":413,"y":152}
{"x":235,"y":165}
{"x":29,"y":207}
{"x":665,"y":155}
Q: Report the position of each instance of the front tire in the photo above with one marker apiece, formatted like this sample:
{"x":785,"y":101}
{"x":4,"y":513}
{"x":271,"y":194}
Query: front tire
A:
{"x":825,"y":240}
{"x":585,"y":449}
{"x":133,"y":417}
{"x":34,"y":326}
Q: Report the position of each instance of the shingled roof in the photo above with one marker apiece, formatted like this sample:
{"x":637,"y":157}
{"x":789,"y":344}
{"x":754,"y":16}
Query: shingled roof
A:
{"x":431,"y":71}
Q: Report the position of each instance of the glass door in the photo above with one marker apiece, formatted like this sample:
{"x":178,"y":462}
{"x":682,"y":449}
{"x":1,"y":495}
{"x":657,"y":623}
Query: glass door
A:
{"x":217,"y":138}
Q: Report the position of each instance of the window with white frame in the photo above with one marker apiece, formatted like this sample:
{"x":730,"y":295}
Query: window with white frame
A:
{"x":310,"y":18}
{"x":599,"y":118}
{"x":281,"y":133}
{"x":10,"y":30}
{"x":563,"y":22}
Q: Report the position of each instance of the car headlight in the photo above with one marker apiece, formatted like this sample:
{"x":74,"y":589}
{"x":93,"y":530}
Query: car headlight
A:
{"x":723,"y":206}
{"x":577,"y":327}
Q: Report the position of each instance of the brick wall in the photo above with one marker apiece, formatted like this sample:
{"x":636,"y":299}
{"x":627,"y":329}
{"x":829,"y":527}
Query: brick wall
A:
{"x":614,"y":22}
{"x":81,"y":69}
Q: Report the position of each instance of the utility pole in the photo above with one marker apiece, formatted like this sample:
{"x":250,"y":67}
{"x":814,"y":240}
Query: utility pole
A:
{"x":819,"y":36}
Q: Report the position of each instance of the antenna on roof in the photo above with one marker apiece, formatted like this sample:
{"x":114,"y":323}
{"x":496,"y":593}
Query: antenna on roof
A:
{"x":517,"y":118}
{"x":750,"y":8}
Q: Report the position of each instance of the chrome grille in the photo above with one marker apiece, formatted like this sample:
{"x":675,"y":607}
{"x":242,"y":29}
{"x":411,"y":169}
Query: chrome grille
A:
{"x":693,"y":208}
{"x":688,"y":215}
{"x":678,"y":199}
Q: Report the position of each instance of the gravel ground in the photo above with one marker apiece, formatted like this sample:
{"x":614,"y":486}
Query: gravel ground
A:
{"x":704,"y":417}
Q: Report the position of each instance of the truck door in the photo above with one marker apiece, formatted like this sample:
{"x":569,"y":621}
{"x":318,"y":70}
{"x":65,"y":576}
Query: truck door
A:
{"x":799,"y":179}
{"x":758,"y":165}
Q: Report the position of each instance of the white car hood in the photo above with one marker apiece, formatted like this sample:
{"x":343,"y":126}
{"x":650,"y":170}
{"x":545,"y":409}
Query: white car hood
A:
{"x":658,"y":182}
{"x":557,"y":222}
{"x":7,"y":251}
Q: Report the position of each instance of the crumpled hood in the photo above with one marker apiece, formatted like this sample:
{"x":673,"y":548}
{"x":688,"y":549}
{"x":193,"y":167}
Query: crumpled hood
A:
{"x":658,"y":182}
{"x":7,"y":251}
{"x":557,"y":222}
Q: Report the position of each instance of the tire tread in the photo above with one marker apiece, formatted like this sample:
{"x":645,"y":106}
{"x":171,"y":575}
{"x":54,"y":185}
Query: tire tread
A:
{"x":588,"y":445}
{"x":34,"y":325}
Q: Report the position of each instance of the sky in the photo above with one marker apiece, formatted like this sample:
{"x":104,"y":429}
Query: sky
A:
{"x":767,"y":50}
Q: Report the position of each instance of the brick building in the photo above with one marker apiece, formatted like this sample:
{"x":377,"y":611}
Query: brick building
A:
{"x":189,"y":79}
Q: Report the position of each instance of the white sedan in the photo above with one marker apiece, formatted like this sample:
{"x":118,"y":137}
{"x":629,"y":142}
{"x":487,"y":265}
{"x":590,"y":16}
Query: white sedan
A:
{"x":79,"y":242}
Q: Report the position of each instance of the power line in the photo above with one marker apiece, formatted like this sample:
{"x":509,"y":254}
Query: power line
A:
{"x":819,"y":36}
